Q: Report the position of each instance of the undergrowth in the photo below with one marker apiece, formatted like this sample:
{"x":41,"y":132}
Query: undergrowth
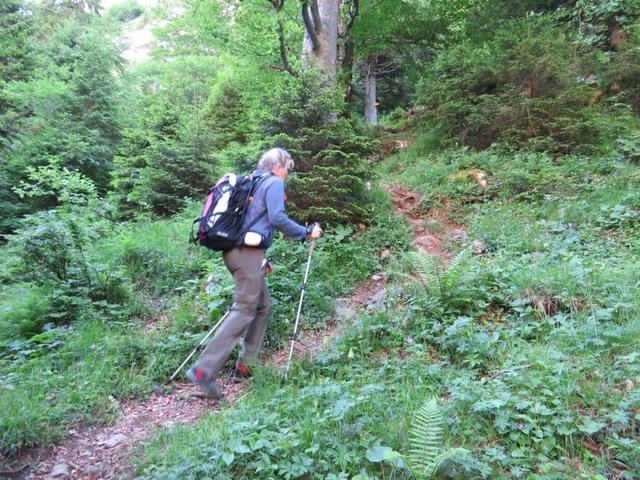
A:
{"x":66,"y":371}
{"x":532,"y":349}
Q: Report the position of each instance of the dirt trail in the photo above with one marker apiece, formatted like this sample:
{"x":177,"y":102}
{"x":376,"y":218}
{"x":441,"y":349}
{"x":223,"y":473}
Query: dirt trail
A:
{"x":101,"y":452}
{"x":430,"y":229}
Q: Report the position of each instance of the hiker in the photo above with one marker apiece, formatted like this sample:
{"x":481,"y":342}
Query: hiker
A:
{"x":249,"y":314}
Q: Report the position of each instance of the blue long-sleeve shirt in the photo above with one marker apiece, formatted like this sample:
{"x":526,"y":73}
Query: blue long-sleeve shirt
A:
{"x":270,"y":195}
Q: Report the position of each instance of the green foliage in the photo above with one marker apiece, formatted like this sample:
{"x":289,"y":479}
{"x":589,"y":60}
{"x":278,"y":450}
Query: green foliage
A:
{"x":125,"y":12}
{"x":69,"y":377}
{"x":630,"y":147}
{"x":553,"y":302}
{"x":624,"y":71}
{"x":74,"y":101}
{"x":518,"y":88}
{"x":17,"y":26}
{"x":533,"y":344}
{"x":157,"y":256}
{"x":63,"y":109}
{"x":178,"y":290}
{"x":425,"y":457}
{"x":446,"y":283}
{"x":23,"y":311}
{"x":58,"y":185}
{"x":16,"y":64}
{"x":224,"y":113}
{"x":331,"y":186}
{"x":600,"y":21}
{"x":425,"y":439}
{"x":53,"y":251}
{"x":162,"y":164}
{"x":166,"y":155}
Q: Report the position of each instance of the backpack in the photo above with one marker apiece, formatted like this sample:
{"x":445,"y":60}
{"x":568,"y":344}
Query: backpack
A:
{"x":220,"y":223}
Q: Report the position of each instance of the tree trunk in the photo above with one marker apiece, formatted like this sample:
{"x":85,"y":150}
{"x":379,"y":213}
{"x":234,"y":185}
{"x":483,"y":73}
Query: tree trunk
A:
{"x":370,"y":105}
{"x":319,"y":47}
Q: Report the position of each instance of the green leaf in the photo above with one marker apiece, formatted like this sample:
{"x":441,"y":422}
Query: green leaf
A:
{"x":589,"y":426}
{"x":378,"y":453}
{"x":228,"y":457}
{"x":394,"y":458}
{"x":237,"y":446}
{"x":566,"y":430}
{"x":519,"y":453}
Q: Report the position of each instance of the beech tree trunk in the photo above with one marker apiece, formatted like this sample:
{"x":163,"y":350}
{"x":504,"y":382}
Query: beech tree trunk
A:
{"x":370,"y":106}
{"x":320,"y":44}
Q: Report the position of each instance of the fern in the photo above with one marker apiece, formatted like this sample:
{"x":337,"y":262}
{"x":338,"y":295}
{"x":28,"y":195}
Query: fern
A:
{"x":433,"y":277}
{"x":425,"y":439}
{"x":426,"y":457}
{"x":456,"y":270}
{"x":427,"y":268}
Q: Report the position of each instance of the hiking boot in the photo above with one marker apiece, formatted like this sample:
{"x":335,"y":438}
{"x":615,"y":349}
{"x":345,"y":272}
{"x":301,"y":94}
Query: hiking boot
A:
{"x":241,"y":373}
{"x":208,"y":386}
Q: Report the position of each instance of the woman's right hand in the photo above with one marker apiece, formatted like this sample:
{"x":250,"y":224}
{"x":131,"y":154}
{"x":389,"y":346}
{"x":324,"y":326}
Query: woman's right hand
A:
{"x":315,"y":232}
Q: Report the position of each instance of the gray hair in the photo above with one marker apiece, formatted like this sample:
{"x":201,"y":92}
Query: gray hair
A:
{"x":273,"y":157}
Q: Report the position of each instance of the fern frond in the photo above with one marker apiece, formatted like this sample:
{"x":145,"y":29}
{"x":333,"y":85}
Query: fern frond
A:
{"x":456,"y":270}
{"x":425,"y":438}
{"x":426,"y":266}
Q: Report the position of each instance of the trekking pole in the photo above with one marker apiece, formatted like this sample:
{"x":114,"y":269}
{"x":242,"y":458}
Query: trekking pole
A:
{"x":295,"y":327}
{"x":200,"y":344}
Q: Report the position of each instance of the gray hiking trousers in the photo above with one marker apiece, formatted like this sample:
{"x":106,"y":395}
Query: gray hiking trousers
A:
{"x":249,"y":314}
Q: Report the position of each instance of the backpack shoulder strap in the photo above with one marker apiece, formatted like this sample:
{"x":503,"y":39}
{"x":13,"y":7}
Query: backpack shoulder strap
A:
{"x":261,"y":179}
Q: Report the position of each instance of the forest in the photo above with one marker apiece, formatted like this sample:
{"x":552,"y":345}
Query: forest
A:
{"x":471,"y":309}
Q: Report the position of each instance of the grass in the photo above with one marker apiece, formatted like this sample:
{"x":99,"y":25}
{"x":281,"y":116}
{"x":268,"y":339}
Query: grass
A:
{"x":533,"y":352}
{"x":61,"y":375}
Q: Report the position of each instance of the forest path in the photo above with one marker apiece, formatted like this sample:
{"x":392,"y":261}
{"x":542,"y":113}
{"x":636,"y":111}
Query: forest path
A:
{"x":431,"y":229}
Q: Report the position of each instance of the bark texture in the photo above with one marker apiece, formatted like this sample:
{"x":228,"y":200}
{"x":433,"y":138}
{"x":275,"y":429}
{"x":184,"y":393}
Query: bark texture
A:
{"x":319,"y":47}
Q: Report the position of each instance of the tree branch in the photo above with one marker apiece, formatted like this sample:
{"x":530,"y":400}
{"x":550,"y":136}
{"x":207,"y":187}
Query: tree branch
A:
{"x":315,"y":12}
{"x":283,"y":47}
{"x":354,"y":8}
{"x":309,"y":27}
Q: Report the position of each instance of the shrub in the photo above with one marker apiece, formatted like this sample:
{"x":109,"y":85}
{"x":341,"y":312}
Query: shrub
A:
{"x":53,"y":251}
{"x":224,"y":115}
{"x":23,"y":311}
{"x":161,"y":161}
{"x":624,"y":72}
{"x":521,"y":87}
